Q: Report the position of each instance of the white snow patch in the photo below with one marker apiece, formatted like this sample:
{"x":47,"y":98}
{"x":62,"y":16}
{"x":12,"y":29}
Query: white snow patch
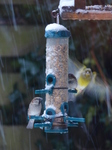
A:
{"x":95,"y":7}
{"x":83,"y":11}
{"x":48,"y":87}
{"x":48,"y":59}
{"x":66,"y":3}
{"x":47,"y":122}
{"x":51,"y":106}
{"x":52,"y":116}
{"x":55,"y":27}
{"x":49,"y":71}
{"x":88,"y":9}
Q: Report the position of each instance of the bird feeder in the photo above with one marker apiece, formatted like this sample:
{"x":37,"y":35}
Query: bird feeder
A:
{"x":57,"y":66}
{"x":55,"y":118}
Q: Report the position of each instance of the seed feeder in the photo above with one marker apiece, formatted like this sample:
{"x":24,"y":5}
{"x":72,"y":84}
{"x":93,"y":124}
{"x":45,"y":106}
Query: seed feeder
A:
{"x":55,"y":118}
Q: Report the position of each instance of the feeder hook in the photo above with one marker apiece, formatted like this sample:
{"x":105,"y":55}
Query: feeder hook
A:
{"x":55,"y":14}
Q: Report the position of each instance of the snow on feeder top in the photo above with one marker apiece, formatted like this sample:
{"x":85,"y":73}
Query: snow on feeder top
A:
{"x":56,"y":31}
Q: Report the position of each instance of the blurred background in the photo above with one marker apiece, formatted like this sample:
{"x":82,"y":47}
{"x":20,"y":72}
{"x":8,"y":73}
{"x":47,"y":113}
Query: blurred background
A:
{"x":22,"y":71}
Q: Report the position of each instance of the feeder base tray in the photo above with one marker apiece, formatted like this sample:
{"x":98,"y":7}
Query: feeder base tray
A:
{"x":56,"y":130}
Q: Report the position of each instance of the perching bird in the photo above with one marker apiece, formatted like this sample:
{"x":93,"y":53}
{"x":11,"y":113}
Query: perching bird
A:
{"x":72,"y":84}
{"x":34,"y":109}
{"x":72,"y":81}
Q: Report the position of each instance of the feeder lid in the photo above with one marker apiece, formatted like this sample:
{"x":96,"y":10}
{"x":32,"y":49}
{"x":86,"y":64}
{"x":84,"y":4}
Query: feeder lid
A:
{"x":56,"y":31}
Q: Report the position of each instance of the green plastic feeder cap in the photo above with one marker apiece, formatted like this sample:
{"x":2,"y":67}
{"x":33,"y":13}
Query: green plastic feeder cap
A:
{"x":56,"y":31}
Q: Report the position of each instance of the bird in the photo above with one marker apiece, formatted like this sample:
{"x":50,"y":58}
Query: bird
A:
{"x":91,"y":90}
{"x":72,"y":84}
{"x":88,"y":81}
{"x":85,"y":77}
{"x":34,"y":109}
{"x":82,"y":74}
{"x":72,"y":81}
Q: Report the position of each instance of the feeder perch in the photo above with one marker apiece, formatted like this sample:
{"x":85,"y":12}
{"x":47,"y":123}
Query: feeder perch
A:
{"x":77,"y":10}
{"x":51,"y":80}
{"x":55,"y":118}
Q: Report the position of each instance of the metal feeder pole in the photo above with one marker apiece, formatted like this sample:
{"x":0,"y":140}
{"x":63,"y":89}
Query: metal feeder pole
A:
{"x":57,"y":44}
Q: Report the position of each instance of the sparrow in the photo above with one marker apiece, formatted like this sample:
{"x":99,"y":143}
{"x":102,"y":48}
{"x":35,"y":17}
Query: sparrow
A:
{"x":34,"y":109}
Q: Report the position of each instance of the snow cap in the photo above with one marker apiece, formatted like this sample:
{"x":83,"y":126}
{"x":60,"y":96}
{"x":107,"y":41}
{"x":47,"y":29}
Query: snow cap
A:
{"x":56,"y":31}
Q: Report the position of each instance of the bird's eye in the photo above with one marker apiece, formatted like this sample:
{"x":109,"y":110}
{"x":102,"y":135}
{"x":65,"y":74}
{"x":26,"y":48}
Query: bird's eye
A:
{"x":69,"y":81}
{"x":87,"y":71}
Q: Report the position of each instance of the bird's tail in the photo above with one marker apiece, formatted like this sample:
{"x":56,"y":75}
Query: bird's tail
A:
{"x":30,"y":124}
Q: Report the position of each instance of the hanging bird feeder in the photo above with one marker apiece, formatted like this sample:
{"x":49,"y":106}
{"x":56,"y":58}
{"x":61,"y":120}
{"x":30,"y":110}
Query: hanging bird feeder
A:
{"x":55,"y":118}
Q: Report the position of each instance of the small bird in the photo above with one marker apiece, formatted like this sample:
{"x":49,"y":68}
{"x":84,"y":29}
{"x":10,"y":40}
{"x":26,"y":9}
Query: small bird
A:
{"x":87,"y":81}
{"x":84,"y":78}
{"x":72,"y":81}
{"x":72,"y":84}
{"x":83,"y":75}
{"x":34,"y":109}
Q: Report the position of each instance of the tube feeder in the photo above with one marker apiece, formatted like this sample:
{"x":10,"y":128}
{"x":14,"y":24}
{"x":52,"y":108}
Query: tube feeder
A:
{"x":55,"y":118}
{"x":57,"y":64}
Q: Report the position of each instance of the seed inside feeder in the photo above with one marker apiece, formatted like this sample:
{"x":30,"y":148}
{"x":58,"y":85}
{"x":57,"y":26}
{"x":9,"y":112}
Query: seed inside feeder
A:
{"x":57,"y":64}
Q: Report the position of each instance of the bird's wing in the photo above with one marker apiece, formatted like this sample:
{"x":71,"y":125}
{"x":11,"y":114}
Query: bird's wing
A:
{"x":74,"y":67}
{"x":98,"y":91}
{"x":96,"y":88}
